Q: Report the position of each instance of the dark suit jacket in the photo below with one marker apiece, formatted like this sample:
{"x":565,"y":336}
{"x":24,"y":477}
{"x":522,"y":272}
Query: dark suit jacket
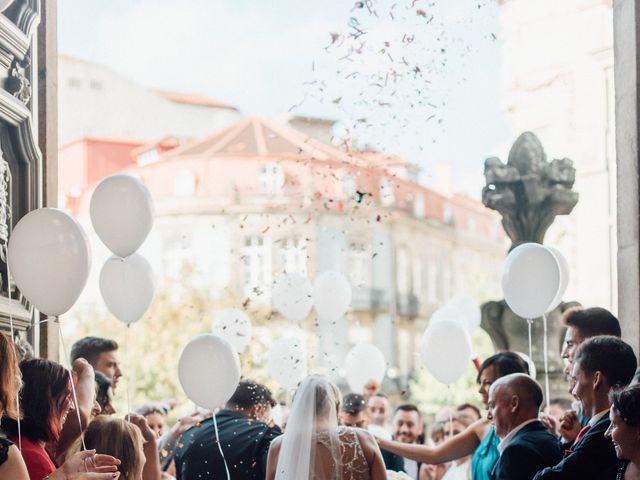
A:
{"x":245,"y":444}
{"x":592,"y":457}
{"x":531,"y":449}
{"x":392,"y":461}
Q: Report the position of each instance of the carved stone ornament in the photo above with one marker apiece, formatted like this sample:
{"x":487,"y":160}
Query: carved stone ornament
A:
{"x":529,"y":191}
{"x":18,"y":84}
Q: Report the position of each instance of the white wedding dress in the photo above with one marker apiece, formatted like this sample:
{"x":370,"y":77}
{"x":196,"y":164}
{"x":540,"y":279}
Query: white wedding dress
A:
{"x":313,"y":446}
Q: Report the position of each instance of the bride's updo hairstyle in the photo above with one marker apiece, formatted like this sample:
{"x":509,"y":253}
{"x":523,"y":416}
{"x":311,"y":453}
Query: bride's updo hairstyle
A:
{"x":327,"y":397}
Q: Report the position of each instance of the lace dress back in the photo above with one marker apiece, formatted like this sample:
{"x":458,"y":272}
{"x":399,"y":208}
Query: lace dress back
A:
{"x":353,"y":462}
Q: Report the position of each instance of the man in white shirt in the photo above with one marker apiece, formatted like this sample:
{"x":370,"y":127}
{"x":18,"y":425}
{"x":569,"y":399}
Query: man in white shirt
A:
{"x":526,"y":446}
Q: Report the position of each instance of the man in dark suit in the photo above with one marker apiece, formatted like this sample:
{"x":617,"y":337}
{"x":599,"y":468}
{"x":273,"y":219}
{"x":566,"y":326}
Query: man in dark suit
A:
{"x":526,"y":446}
{"x":243,"y":434}
{"x":599,"y":364}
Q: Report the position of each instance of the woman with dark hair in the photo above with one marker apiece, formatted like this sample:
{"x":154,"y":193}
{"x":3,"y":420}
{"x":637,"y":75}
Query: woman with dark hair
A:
{"x":104,"y":394}
{"x":45,"y":400}
{"x":82,"y":466}
{"x":479,"y":438}
{"x":624,"y":430}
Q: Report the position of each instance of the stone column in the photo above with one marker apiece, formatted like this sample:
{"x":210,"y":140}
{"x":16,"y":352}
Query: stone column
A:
{"x":47,"y":67}
{"x":626,"y":18}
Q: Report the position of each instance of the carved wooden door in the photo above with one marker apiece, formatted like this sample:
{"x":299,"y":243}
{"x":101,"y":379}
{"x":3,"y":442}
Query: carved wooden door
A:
{"x":27,"y":136}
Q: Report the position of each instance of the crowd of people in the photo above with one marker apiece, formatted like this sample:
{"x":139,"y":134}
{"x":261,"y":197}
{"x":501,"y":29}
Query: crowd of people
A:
{"x":61,"y":424}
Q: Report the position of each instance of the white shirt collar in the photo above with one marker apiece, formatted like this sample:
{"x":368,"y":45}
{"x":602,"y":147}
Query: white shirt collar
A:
{"x":597,"y":417}
{"x":503,"y":443}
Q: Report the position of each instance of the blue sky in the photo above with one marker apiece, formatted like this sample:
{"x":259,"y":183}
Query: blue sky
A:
{"x":417,"y":78}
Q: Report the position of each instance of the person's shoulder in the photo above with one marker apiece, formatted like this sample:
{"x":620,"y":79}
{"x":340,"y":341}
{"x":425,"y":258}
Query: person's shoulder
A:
{"x":366,"y":439}
{"x":480,"y":427}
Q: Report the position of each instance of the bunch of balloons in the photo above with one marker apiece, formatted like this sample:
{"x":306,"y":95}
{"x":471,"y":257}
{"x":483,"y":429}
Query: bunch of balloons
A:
{"x":294,"y":297}
{"x":122,"y":215}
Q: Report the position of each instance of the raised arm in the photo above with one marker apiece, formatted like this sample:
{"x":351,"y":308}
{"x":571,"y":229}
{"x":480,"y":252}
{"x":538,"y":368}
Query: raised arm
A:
{"x":151,"y":469}
{"x":84,"y":381}
{"x":456,"y":447}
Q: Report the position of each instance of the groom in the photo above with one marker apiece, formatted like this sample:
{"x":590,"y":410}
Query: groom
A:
{"x":244,"y":437}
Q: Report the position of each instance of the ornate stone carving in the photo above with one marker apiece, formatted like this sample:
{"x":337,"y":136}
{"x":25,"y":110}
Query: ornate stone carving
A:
{"x":17,"y":83}
{"x":529,"y":191}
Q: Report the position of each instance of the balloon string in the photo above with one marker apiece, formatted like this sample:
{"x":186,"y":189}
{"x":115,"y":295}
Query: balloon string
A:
{"x":530,"y":323}
{"x":73,"y":387}
{"x":546,"y":360}
{"x":224,"y":460}
{"x":13,"y":341}
{"x":450,"y":419}
{"x":126,"y":347}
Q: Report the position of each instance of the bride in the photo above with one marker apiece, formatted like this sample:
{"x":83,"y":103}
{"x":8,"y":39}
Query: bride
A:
{"x":314,"y":447}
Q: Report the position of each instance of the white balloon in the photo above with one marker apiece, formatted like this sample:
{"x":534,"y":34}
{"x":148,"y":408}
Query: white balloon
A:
{"x":286,"y":362}
{"x":331,"y":295}
{"x":364,"y":362}
{"x":533,"y":371}
{"x":469,"y":309}
{"x":126,"y":285}
{"x":292,"y":296}
{"x":209,"y":370}
{"x":49,"y":259}
{"x":530,"y":280}
{"x":446,"y":350}
{"x":564,"y":277}
{"x":121,"y":213}
{"x":234,"y":326}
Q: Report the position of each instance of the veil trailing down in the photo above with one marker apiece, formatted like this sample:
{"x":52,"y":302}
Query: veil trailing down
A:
{"x":311,"y":442}
{"x":315,"y":447}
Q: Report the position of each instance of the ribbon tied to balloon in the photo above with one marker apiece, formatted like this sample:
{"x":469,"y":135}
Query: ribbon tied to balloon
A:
{"x":534,"y":280}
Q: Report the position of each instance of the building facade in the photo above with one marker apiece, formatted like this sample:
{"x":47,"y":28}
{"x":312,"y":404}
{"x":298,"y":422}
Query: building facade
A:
{"x":558,"y":82}
{"x":260,"y":198}
{"x":113,"y":97}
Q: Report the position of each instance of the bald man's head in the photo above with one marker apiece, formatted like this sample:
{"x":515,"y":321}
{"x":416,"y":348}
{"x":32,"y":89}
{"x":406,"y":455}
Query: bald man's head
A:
{"x":513,"y":399}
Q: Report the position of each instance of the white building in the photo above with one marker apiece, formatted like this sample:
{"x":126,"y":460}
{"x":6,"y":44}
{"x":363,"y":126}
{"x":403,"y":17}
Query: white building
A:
{"x":558,"y":82}
{"x":96,"y":101}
